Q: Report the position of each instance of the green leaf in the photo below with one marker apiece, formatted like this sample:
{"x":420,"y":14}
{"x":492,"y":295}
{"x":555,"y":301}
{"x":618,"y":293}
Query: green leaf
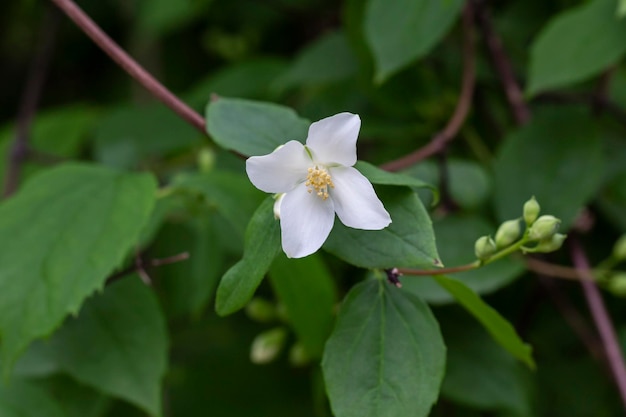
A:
{"x":118,"y":344}
{"x":25,"y":399}
{"x":231,"y":195}
{"x":401,"y":31}
{"x":469,"y":183}
{"x":408,"y":242}
{"x":306,"y":289}
{"x":621,"y":8}
{"x":188,"y":286}
{"x":60,"y":237}
{"x":250,"y":79}
{"x":261,"y":246}
{"x":382,"y":177}
{"x":129,"y":135}
{"x":500,"y":329}
{"x":253,"y":127}
{"x":575,"y":45}
{"x":311,"y":67}
{"x":386,"y":356}
{"x":557,"y":157}
{"x":455,"y":239}
{"x":479,"y":373}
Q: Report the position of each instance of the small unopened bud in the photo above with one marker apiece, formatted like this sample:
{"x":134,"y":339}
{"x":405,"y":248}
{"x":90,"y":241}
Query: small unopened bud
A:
{"x":206,"y":160}
{"x":550,"y":245}
{"x":507,"y":233}
{"x":619,"y":249}
{"x":298,"y":355}
{"x":617,"y":284}
{"x":261,"y":310}
{"x":278,"y":200}
{"x":544,"y":227}
{"x":267,"y":345}
{"x":531,"y":211}
{"x":485,"y":247}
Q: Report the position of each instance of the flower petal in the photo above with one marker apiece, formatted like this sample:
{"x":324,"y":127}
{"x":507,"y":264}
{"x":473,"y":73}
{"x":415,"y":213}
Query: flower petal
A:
{"x":356,"y":202}
{"x":333,"y":139}
{"x":281,"y":170}
{"x":305,"y":222}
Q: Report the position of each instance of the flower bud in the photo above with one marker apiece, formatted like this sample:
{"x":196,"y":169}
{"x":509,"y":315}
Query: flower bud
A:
{"x":507,"y":233}
{"x":550,"y":245}
{"x":267,"y":345}
{"x":531,"y":211}
{"x":298,"y":355}
{"x":544,"y":227}
{"x":617,"y":284}
{"x":278,"y":200}
{"x":206,"y":160}
{"x":261,"y":310}
{"x":485,"y":247}
{"x":619,"y":249}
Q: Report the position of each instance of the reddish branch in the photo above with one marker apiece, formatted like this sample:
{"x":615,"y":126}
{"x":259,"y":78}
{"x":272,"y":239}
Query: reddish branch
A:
{"x":441,"y":139}
{"x":125,"y":61}
{"x":502,"y":64}
{"x":601,"y":318}
{"x":30,"y":100}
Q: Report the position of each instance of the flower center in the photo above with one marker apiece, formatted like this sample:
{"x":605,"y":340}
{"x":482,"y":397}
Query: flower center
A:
{"x":319,"y":179}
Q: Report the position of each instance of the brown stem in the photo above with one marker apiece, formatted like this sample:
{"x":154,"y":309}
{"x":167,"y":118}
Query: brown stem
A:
{"x":601,"y":318}
{"x":30,"y":100}
{"x":129,"y":65}
{"x":502,"y":64}
{"x":138,"y":266}
{"x":441,"y":139}
{"x":552,"y":270}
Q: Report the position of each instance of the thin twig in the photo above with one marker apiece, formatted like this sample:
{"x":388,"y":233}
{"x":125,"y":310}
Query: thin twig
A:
{"x":555,"y":271}
{"x":30,"y":100}
{"x":601,"y":318}
{"x":441,"y":139}
{"x":139,"y":267}
{"x":502,"y":64}
{"x":129,"y":65}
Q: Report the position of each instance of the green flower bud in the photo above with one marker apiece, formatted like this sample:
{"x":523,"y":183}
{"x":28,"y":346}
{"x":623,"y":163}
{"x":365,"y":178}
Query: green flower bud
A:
{"x":261,"y":310}
{"x":298,"y":355}
{"x":267,"y":346}
{"x":544,"y":227}
{"x":550,"y":245}
{"x":531,"y":211}
{"x":617,"y":284}
{"x":206,"y":160}
{"x":507,"y":233}
{"x":485,"y":247}
{"x":619,"y":249}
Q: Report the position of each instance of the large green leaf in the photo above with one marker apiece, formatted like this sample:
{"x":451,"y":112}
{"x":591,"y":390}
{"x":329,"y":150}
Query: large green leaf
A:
{"x":500,"y":329}
{"x":408,"y":242}
{"x":403,"y":30}
{"x":576,"y":44}
{"x":262,"y":244}
{"x":386,"y":356}
{"x":25,"y":399}
{"x":253,"y":127}
{"x":118,"y":344}
{"x":60,"y":237}
{"x":129,"y":135}
{"x":231,"y":195}
{"x":557,"y":158}
{"x":455,"y":239}
{"x":479,"y":373}
{"x":311,"y":67}
{"x":306,"y":289}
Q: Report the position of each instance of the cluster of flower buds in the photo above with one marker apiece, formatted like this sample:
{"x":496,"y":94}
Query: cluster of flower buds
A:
{"x":531,"y":233}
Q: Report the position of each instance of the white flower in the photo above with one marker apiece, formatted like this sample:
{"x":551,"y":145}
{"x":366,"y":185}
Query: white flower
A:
{"x":318,"y":180}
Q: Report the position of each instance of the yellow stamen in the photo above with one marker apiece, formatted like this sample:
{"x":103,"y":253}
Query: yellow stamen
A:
{"x":319,"y":179}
